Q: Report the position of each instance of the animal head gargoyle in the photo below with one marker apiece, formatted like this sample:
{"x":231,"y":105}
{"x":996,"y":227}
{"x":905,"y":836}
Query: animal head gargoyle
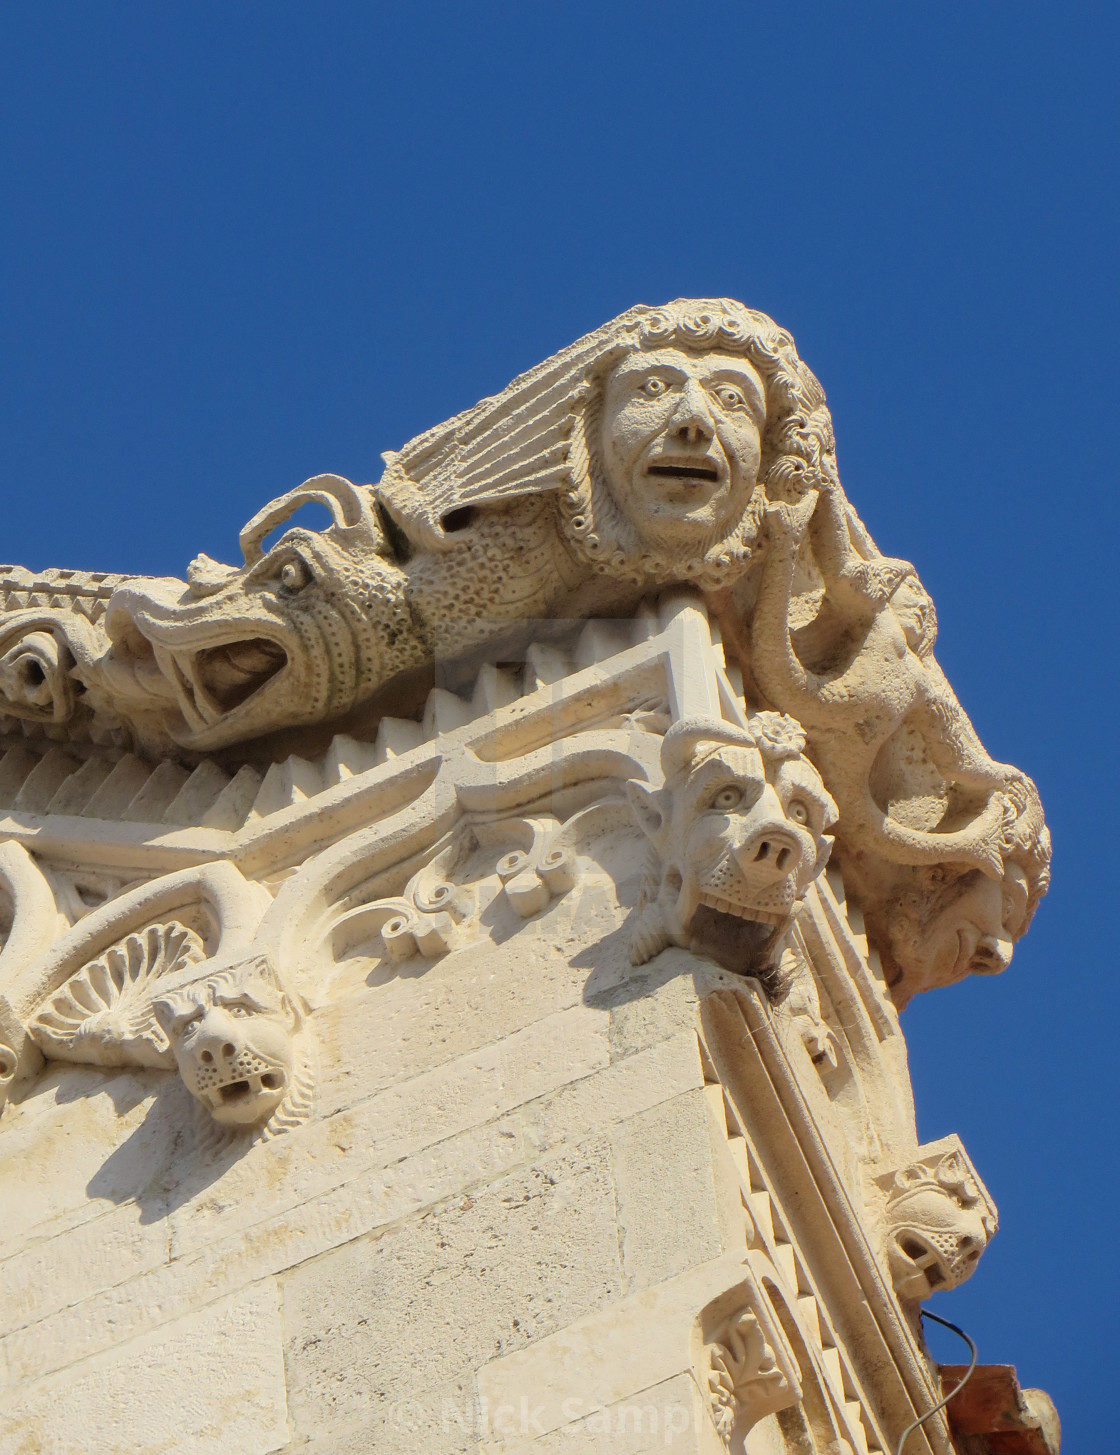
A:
{"x":939,"y":1219}
{"x":299,"y":633}
{"x":737,"y":834}
{"x":240,"y":1042}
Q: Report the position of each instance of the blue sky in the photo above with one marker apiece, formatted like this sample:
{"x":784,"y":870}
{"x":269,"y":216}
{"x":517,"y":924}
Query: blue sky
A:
{"x":242,"y":244}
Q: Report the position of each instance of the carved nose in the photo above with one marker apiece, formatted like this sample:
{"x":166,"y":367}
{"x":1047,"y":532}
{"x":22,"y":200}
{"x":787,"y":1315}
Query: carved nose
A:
{"x":227,"y":1051}
{"x":771,"y":853}
{"x":693,"y":424}
{"x":992,"y":956}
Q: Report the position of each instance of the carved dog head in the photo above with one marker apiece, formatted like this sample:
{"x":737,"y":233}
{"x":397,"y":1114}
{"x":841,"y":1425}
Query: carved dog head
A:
{"x":238,"y":1039}
{"x":738,"y":833}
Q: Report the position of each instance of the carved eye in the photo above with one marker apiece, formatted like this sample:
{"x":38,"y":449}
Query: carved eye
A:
{"x":729,"y":397}
{"x":238,"y":1010}
{"x":798,"y":811}
{"x":728,"y":798}
{"x":295,"y":575}
{"x":654,"y":388}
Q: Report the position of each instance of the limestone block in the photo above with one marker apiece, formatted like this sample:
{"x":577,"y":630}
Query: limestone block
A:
{"x":465,"y":1001}
{"x":385,"y":1196}
{"x":669,"y":1416}
{"x":210,"y":1382}
{"x":79,"y":1262}
{"x":621,"y":1090}
{"x":656,"y":1001}
{"x":382,"y":1320}
{"x":396,"y":1123}
{"x":662,"y":1161}
{"x":609,"y":1356}
{"x":84,"y":1141}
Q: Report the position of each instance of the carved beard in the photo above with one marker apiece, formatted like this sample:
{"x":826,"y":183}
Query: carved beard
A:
{"x":603,"y":537}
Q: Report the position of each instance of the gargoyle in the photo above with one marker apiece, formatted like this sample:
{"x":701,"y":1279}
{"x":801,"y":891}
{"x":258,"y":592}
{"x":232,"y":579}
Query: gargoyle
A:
{"x":240,"y":1042}
{"x":737,"y":834}
{"x":240,"y":1039}
{"x":641,"y":456}
{"x":939,"y":1220}
{"x":935,"y":924}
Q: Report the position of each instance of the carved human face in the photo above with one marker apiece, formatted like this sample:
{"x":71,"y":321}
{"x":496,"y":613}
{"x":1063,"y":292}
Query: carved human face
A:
{"x":913,"y":609}
{"x":233,"y":1039}
{"x":681,"y":443}
{"x":971,"y":930}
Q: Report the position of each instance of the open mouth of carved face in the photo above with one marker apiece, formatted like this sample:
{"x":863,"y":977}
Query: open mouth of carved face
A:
{"x":920,"y":1260}
{"x":775,"y":915}
{"x":213,"y":682}
{"x":691,"y":471}
{"x":246,"y":1098}
{"x":684,"y":474}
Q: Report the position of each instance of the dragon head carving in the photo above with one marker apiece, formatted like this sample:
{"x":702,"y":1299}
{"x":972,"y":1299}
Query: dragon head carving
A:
{"x":301,"y":631}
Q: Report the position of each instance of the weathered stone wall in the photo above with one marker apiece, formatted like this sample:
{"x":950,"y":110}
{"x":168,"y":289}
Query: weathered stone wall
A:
{"x":503,"y":1151}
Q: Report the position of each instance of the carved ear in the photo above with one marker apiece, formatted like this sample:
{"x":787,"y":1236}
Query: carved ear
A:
{"x":164,"y":1012}
{"x":647,"y":809}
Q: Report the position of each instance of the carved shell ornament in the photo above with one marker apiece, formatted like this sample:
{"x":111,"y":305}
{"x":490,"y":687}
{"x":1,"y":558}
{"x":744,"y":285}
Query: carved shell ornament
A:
{"x":239,"y":1039}
{"x":103,"y":1015}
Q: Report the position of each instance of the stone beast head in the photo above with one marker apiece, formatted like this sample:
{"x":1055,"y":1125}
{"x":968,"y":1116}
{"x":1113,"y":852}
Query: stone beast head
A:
{"x":298,"y":634}
{"x":737,"y":834}
{"x":241,"y":1044}
{"x":940,"y":1219}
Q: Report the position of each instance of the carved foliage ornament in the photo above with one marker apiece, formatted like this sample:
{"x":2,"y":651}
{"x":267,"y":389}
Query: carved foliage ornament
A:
{"x":745,"y":1381}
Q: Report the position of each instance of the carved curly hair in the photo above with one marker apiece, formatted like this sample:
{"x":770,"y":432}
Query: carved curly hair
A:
{"x":798,"y":444}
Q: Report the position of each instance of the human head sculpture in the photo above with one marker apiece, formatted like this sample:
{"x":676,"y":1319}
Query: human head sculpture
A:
{"x":694,"y":416}
{"x":939,"y":1220}
{"x":937,"y":924}
{"x":240,"y":1043}
{"x":737,"y":834}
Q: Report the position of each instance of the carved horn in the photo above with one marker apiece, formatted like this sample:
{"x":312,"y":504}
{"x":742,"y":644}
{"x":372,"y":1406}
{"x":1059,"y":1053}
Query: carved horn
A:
{"x":350,"y":506}
{"x":682,"y":738}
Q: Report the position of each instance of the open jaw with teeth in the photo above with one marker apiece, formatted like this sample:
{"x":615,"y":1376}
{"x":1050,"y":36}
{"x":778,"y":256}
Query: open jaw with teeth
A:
{"x":245,"y":1090}
{"x":213,"y":681}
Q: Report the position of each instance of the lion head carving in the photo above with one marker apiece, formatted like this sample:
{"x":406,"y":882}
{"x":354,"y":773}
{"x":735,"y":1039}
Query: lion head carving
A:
{"x":737,"y":834}
{"x":940,"y":1219}
{"x":240,"y":1042}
